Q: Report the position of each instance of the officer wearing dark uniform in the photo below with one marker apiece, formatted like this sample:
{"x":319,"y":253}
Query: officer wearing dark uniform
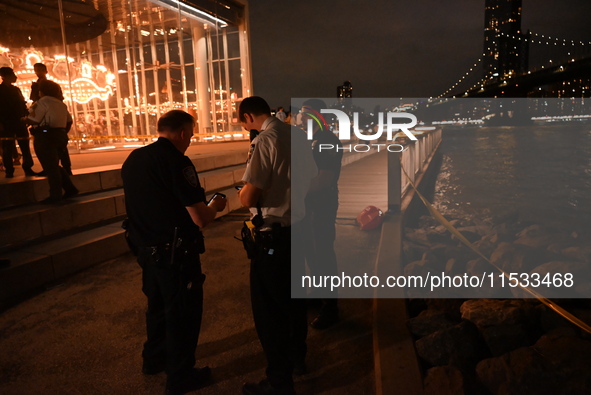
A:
{"x":166,"y":209}
{"x":12,"y":109}
{"x":322,"y":203}
{"x":279,"y":320}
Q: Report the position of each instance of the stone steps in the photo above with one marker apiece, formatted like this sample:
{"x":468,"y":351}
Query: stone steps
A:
{"x":46,"y":243}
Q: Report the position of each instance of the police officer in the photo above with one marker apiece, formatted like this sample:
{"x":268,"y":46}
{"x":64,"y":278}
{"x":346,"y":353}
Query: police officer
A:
{"x":280,"y":321}
{"x":321,"y":209}
{"x":12,"y":109}
{"x":166,"y":209}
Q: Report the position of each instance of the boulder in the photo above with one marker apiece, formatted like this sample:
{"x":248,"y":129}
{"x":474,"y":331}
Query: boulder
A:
{"x":569,"y":356}
{"x":459,"y":345}
{"x":412,"y":251}
{"x":430,"y":321}
{"x":523,"y":371}
{"x":580,"y":253}
{"x":445,"y":380}
{"x":455,"y":267}
{"x":491,"y":312}
{"x":517,"y":258}
{"x":502,"y":339}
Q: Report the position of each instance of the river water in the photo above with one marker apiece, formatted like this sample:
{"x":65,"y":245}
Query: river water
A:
{"x":540,"y":174}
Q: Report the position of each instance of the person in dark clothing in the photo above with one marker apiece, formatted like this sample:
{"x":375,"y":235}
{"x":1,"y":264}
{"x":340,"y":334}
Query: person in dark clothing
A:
{"x":12,"y":109}
{"x":51,"y":118}
{"x":41,"y":72}
{"x":166,"y":210}
{"x":322,"y":203}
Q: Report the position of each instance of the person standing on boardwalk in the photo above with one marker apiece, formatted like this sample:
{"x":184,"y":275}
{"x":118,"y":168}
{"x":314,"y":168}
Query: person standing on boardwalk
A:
{"x":166,"y":209}
{"x":322,"y":203}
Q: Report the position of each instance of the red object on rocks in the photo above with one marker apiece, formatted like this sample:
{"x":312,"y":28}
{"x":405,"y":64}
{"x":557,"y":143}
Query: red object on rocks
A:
{"x":370,"y":218}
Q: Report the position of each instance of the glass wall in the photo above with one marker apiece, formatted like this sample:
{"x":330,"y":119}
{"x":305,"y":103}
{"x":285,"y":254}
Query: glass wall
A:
{"x":149,"y":57}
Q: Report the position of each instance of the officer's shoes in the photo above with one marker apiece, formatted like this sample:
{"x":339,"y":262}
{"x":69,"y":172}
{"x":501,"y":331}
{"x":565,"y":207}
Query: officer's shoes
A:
{"x":153,"y":368}
{"x":264,"y":387}
{"x":197,"y":378}
{"x":325,"y":320}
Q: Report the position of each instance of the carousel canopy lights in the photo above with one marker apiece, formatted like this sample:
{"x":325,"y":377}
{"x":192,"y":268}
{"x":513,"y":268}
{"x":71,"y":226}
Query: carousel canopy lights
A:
{"x":191,"y":11}
{"x":87,"y":81}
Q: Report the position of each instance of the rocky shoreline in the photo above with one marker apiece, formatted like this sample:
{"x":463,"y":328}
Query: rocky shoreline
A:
{"x":495,"y":341}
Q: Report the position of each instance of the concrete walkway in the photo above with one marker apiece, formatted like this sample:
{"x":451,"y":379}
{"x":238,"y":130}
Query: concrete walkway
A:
{"x":85,"y":335}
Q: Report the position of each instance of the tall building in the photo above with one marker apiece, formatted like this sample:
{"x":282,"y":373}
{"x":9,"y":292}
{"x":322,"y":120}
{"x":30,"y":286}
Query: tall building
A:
{"x":506,"y":48}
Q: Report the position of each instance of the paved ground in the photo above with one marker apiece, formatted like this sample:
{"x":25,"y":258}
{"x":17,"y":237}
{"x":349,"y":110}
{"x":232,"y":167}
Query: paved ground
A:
{"x":85,"y":336}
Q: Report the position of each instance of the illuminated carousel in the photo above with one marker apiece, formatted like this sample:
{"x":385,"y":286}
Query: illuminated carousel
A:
{"x":122,"y":64}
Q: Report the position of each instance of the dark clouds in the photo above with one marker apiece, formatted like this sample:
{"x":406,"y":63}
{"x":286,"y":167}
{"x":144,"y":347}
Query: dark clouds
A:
{"x":417,"y":48}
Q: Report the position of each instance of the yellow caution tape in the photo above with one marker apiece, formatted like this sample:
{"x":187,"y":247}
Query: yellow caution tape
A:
{"x":439,"y":217}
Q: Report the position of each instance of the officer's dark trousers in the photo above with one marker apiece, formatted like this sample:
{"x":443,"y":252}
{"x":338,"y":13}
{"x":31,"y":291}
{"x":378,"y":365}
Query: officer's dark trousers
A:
{"x":321,"y":213}
{"x":280,"y":321}
{"x":175,"y":307}
{"x":47,"y":147}
{"x":9,"y":151}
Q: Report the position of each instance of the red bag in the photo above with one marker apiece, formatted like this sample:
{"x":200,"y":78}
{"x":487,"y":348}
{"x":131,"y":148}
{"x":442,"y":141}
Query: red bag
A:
{"x":370,"y":218}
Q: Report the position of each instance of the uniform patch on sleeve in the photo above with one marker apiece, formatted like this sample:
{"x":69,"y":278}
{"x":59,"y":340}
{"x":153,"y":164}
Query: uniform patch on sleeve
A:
{"x":250,"y":152}
{"x":191,"y":176}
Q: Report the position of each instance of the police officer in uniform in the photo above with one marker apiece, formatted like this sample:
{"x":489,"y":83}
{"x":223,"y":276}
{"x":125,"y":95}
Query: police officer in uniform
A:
{"x":12,"y":108}
{"x":321,"y":209}
{"x":166,"y":209}
{"x":279,"y":320}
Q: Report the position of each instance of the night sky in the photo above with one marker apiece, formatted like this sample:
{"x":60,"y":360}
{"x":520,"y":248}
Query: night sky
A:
{"x":419,"y":48}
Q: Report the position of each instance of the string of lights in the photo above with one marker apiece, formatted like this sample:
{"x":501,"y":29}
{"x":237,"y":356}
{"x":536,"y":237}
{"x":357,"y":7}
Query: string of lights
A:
{"x":540,"y":38}
{"x":464,"y":76}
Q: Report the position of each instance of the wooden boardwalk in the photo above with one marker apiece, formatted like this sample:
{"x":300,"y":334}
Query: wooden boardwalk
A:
{"x":363,"y":183}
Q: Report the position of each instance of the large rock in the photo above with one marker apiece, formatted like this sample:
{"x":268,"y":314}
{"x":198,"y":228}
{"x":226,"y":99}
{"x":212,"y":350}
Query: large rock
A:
{"x":580,"y":253}
{"x":460,"y":346}
{"x":491,"y":312}
{"x":430,"y":321}
{"x":505,"y":325}
{"x":502,"y":339}
{"x":517,"y":258}
{"x":412,"y":251}
{"x":555,"y":273}
{"x":523,"y":371}
{"x":449,"y":380}
{"x":569,"y":356}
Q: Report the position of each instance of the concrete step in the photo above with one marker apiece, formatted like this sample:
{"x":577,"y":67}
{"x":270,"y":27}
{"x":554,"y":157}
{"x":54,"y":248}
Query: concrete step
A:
{"x":44,"y":264}
{"x":20,"y":191}
{"x":26,"y":223}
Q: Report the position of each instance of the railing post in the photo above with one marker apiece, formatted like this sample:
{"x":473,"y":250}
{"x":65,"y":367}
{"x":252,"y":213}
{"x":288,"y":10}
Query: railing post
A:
{"x":394,"y":182}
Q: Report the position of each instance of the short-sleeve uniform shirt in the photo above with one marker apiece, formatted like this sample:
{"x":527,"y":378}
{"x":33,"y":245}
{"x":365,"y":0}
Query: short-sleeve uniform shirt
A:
{"x":159,"y":183}
{"x":269,"y":169}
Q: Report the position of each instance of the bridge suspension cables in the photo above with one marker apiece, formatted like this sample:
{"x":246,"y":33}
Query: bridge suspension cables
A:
{"x":474,"y":67}
{"x":548,"y":51}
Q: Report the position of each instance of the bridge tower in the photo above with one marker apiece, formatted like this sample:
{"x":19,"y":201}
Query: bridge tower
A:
{"x":506,"y":48}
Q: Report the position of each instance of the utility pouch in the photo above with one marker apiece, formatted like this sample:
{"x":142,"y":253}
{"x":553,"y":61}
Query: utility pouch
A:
{"x":248,"y":234}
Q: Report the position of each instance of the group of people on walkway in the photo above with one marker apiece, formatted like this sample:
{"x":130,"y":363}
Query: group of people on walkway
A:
{"x":290,"y":197}
{"x":47,"y":120}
